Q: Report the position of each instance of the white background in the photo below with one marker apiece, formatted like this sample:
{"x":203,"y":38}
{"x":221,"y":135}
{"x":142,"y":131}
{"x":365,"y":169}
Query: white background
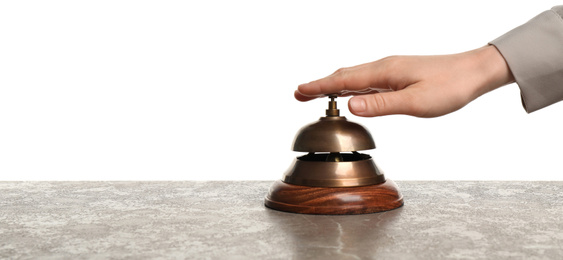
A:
{"x":203,"y":90}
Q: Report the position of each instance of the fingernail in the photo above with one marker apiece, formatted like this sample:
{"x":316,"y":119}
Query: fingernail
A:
{"x":358,"y":105}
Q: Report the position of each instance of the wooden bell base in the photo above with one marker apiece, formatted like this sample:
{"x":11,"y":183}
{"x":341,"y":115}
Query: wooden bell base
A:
{"x":334,"y":201}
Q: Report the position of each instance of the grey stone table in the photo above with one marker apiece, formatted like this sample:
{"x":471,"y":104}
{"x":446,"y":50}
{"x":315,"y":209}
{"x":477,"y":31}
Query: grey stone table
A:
{"x":227,"y":220}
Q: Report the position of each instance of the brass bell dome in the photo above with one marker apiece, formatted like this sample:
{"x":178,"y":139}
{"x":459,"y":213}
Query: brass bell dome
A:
{"x":333,"y":134}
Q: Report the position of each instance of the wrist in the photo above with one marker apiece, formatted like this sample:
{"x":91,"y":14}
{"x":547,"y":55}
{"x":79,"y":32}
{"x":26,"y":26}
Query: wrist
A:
{"x":491,"y":68}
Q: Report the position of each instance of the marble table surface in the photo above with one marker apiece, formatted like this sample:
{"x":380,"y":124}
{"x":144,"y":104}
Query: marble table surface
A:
{"x":227,"y":220}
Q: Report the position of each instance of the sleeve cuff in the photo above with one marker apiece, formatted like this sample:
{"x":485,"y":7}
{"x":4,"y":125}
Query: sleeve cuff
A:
{"x":534,"y":54}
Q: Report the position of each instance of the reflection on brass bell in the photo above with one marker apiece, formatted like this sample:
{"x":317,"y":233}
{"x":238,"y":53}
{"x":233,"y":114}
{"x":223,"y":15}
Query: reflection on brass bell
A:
{"x":333,"y":177}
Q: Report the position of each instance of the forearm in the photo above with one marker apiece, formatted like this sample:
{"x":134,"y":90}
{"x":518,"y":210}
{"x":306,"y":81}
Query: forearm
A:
{"x":534,"y":53}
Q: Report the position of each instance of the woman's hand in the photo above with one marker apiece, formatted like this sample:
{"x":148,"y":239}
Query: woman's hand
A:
{"x":422,"y":86}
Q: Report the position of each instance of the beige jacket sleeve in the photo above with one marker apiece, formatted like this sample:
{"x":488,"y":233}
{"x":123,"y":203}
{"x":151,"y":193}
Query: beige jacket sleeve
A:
{"x":534,"y":53}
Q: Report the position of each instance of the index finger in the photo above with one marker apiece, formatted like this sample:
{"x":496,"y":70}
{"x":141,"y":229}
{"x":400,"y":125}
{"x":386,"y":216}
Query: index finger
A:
{"x":361,"y":79}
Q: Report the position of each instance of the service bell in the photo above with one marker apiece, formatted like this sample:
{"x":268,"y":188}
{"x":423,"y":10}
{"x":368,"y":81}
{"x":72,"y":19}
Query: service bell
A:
{"x":333,"y":177}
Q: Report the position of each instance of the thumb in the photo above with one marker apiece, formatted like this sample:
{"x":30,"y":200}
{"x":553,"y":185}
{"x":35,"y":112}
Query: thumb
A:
{"x":387,"y":103}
